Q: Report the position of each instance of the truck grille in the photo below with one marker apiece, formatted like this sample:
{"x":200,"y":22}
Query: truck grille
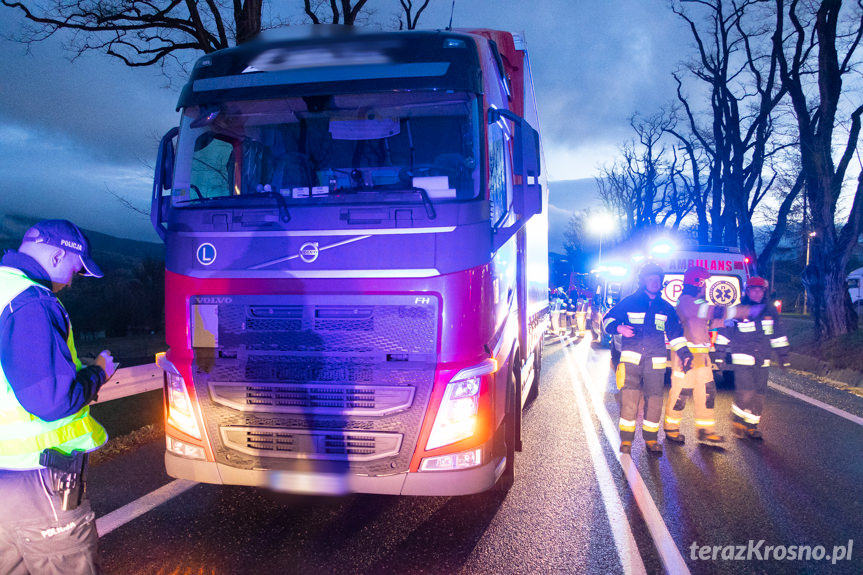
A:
{"x":316,"y":399}
{"x":306,"y":444}
{"x":290,"y":379}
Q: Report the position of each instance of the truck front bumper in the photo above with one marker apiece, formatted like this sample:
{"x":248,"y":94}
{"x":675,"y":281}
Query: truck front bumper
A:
{"x":441,"y":483}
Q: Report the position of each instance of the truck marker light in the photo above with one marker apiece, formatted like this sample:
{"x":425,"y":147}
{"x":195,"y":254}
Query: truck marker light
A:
{"x":456,"y":418}
{"x":180,"y":414}
{"x":452,"y":461}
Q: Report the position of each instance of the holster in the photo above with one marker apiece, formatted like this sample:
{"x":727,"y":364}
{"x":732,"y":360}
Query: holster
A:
{"x":68,"y":475}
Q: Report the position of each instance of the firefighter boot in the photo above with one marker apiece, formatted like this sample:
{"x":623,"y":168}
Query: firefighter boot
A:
{"x":653,"y":446}
{"x":709,"y":436}
{"x":754,"y":432}
{"x":626,"y":447}
{"x":675,"y":436}
{"x":739,"y":427}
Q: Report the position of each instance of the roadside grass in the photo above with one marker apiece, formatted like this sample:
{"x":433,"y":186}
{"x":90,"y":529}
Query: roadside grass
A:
{"x":837,"y":353}
{"x":117,"y":446}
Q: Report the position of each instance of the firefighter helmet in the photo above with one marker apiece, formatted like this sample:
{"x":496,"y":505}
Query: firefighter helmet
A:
{"x":756,"y":281}
{"x":695,"y":275}
{"x":650,"y":269}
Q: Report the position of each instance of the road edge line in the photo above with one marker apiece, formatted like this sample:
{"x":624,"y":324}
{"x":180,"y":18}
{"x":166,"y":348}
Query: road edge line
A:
{"x":670,"y":555}
{"x":825,"y":406}
{"x":142,"y":505}
{"x":624,"y":541}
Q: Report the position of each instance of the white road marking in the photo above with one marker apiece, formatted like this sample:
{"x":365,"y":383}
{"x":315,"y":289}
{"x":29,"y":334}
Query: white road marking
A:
{"x":665,"y":546}
{"x":816,"y":403}
{"x":627,"y":548}
{"x":135,"y":509}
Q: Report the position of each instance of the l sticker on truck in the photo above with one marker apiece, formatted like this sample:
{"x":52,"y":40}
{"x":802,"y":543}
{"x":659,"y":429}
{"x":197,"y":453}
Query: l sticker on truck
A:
{"x":206,"y":254}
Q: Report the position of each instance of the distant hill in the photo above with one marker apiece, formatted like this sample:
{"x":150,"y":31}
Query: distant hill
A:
{"x":110,"y":252}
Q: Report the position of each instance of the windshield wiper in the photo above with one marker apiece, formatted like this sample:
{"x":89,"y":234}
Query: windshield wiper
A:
{"x":426,"y":202}
{"x":284,"y":213}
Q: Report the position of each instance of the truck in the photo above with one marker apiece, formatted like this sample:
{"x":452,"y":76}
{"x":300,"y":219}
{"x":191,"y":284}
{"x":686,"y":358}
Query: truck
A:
{"x":356,"y":233}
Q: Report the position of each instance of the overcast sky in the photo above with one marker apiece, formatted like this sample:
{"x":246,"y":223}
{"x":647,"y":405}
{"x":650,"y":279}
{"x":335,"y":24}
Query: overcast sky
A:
{"x":71,"y":133}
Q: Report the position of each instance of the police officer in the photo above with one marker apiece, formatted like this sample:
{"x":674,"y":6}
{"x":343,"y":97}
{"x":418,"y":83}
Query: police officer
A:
{"x":750,"y":340}
{"x":46,"y":524}
{"x":643,"y":319}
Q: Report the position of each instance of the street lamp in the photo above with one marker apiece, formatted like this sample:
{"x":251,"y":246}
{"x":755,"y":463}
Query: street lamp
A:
{"x":599,"y":224}
{"x":809,"y":237}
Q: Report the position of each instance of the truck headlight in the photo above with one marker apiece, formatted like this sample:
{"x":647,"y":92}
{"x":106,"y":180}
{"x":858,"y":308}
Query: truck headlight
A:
{"x":457,"y":416}
{"x":180,"y":411}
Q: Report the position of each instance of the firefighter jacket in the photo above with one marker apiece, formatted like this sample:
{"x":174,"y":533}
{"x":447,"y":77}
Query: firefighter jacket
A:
{"x":751,"y":340}
{"x":651,"y":320}
{"x":697,"y":317}
{"x":43,"y":401}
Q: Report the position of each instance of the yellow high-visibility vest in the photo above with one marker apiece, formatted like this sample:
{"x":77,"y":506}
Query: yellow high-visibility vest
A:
{"x":23,"y":436}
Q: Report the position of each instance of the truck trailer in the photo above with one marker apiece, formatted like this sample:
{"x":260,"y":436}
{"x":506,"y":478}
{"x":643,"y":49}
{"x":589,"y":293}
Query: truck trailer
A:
{"x":356,"y":237}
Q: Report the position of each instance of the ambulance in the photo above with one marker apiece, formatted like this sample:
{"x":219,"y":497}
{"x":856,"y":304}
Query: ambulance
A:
{"x":728,"y":268}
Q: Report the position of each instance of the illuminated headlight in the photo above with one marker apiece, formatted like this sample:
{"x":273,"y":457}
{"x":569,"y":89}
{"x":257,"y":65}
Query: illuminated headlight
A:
{"x":456,"y":418}
{"x":453,"y":461}
{"x":184,"y":449}
{"x":180,"y":412}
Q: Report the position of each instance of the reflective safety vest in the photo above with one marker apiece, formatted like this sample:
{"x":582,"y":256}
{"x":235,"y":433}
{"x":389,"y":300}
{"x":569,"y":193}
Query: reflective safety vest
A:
{"x":24,"y":436}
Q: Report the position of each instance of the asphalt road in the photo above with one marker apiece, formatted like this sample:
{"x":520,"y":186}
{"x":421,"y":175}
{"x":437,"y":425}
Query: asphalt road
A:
{"x":571,"y":510}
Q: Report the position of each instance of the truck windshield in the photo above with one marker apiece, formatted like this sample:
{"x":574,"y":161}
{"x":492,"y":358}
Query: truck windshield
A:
{"x":328,"y":148}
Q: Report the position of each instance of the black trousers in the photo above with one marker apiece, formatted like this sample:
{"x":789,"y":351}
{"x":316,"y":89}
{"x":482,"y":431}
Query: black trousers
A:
{"x":750,"y":387}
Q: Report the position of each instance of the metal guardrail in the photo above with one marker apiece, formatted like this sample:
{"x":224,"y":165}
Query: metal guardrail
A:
{"x":133,"y":380}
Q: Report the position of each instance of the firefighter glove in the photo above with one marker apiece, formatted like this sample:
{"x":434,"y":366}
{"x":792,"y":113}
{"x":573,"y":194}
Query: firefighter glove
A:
{"x":685,"y":359}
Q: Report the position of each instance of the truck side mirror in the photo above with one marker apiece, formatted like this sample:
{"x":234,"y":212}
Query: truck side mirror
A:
{"x":526,"y":188}
{"x":162,"y":179}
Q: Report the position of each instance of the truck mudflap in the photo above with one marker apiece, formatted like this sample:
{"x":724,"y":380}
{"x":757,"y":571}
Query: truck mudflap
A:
{"x":437,"y":483}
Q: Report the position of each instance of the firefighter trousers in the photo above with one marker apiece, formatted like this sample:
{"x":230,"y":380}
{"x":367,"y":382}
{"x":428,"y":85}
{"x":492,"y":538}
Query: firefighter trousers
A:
{"x":37,"y":536}
{"x":697,"y":382}
{"x":646,"y":377}
{"x":750,"y":387}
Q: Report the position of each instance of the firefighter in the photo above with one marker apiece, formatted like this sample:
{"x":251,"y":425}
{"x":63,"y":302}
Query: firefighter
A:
{"x":750,"y":340}
{"x":696,"y":316}
{"x":46,"y":524}
{"x":643,"y":320}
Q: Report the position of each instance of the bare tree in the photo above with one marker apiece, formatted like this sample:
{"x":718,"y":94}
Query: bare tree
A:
{"x":341,"y":11}
{"x":812,"y":70}
{"x":576,"y":241}
{"x":410,"y":18}
{"x":697,"y":187}
{"x":167,"y":32}
{"x":643,"y":187}
{"x":738,"y":63}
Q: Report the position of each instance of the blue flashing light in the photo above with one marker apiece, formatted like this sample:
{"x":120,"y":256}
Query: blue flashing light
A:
{"x":664,"y":247}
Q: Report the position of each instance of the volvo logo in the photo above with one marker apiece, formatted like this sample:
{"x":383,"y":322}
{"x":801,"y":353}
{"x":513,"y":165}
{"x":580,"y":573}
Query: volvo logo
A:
{"x":309,"y":252}
{"x":212,"y":300}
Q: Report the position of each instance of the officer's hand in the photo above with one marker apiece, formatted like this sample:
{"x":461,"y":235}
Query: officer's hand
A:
{"x":106,"y":362}
{"x":625,"y":330}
